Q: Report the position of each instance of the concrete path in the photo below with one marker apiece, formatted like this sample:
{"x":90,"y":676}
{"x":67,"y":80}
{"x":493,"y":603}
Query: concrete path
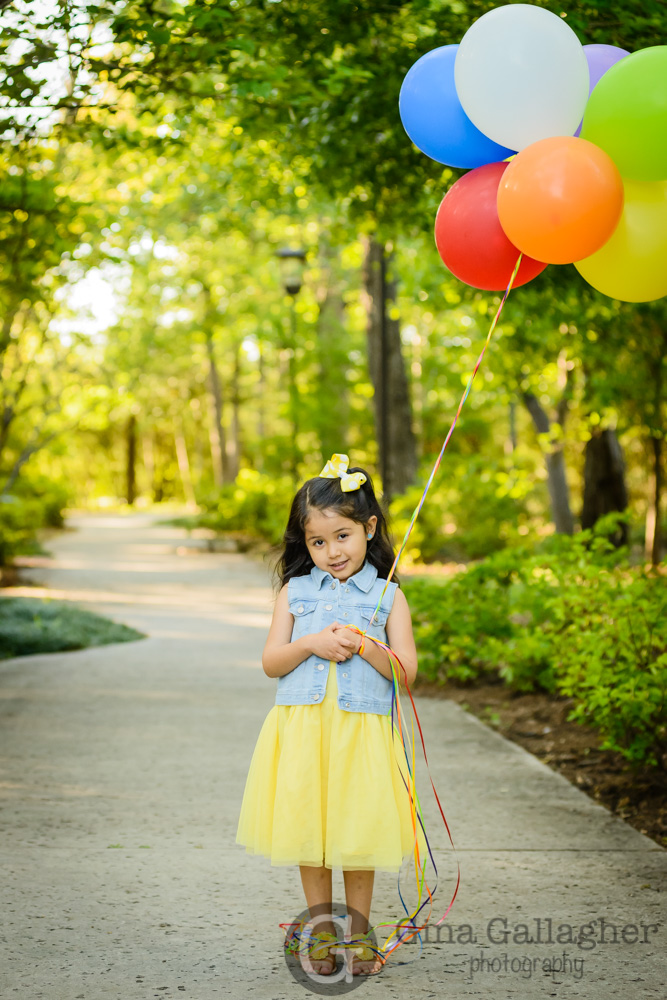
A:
{"x":121,"y":775}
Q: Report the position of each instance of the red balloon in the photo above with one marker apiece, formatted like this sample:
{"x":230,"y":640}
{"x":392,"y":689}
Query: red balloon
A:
{"x":469,"y":236}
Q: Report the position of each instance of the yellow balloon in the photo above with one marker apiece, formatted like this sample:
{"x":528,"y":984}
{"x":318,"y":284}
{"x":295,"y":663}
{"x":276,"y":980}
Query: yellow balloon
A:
{"x":632,"y":264}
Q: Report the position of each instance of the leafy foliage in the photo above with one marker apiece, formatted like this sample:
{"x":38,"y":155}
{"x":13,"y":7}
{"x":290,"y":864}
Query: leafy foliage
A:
{"x":257,"y":505}
{"x":29,"y":626}
{"x":19,"y":523}
{"x":573,"y":618}
{"x":35,"y":503}
{"x":479,"y":505}
{"x":326,"y":76}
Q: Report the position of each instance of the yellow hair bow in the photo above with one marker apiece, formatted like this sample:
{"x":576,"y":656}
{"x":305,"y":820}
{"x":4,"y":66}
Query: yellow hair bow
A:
{"x":337,"y":466}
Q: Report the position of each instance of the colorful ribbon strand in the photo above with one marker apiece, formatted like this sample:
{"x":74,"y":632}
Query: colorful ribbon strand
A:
{"x":396,"y":704}
{"x":438,"y":460}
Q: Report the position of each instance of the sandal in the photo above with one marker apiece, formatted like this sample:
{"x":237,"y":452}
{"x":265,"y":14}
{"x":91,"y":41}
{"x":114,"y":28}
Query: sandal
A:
{"x":319,"y":947}
{"x":363,"y":950}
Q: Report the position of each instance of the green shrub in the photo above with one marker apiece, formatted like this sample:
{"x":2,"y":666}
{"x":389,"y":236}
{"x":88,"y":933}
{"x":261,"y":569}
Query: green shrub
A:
{"x":52,"y":495}
{"x":29,"y":625}
{"x":612,"y":659}
{"x":34,"y":503}
{"x":478,"y":508}
{"x":573,"y":618}
{"x":20,"y":520}
{"x":256,"y":505}
{"x":457,"y":624}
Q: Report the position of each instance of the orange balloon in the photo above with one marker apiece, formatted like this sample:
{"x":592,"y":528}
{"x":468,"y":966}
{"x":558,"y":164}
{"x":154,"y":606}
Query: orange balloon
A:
{"x":560,"y":199}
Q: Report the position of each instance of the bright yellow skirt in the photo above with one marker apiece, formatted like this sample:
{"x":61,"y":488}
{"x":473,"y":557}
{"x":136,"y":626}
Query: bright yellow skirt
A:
{"x":324,"y":787}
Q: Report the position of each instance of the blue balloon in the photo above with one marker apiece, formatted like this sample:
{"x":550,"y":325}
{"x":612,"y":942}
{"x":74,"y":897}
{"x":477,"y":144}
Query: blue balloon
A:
{"x":432,"y":115}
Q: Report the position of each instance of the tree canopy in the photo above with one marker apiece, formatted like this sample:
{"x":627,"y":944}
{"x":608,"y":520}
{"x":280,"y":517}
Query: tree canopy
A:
{"x":167,"y":150}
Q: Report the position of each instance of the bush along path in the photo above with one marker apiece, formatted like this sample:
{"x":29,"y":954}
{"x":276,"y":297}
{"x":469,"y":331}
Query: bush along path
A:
{"x":583,"y":632}
{"x":537,"y":721}
{"x":31,"y":625}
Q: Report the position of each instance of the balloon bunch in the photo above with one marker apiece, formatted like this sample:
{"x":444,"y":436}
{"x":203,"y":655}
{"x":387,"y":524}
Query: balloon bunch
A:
{"x":566,"y":147}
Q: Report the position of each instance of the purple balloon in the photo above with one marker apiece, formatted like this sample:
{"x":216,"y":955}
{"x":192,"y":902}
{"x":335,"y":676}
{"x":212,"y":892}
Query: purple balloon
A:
{"x":600,"y":58}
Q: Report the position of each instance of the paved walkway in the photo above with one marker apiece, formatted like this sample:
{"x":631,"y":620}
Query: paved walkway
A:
{"x":121,"y":774}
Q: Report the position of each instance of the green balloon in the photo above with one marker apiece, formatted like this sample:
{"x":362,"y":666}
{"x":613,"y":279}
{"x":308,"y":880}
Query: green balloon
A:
{"x":626,"y":114}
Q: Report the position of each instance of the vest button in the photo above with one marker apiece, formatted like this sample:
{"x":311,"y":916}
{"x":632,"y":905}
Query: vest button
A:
{"x":347,"y":704}
{"x":320,"y":666}
{"x":300,"y":609}
{"x":332,"y":586}
{"x":314,"y":697}
{"x":329,"y":607}
{"x":344,"y":675}
{"x":344,"y":614}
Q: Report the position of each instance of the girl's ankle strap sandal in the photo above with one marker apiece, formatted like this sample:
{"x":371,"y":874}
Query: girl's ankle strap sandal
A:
{"x":362,"y":948}
{"x":319,"y":944}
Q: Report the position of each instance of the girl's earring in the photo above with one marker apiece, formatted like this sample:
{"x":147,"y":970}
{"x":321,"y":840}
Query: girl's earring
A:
{"x":369,"y":536}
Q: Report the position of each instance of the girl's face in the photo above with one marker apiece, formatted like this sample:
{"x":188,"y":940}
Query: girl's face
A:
{"x":336,"y":544}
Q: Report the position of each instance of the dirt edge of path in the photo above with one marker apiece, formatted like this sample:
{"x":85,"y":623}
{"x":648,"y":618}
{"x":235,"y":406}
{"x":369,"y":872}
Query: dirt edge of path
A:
{"x":538,"y":722}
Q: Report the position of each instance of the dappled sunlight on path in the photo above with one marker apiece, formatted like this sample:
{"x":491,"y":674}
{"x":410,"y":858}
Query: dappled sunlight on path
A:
{"x":151,"y":576}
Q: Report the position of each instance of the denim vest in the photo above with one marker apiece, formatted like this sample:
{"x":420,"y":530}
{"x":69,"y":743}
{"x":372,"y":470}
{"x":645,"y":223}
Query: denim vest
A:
{"x":318,"y":599}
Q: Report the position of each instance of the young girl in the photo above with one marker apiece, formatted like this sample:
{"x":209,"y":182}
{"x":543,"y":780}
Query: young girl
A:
{"x":324,"y":787}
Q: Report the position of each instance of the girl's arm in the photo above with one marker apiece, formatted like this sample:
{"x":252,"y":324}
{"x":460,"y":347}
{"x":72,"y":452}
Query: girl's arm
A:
{"x":401,"y":640}
{"x":281,"y":655}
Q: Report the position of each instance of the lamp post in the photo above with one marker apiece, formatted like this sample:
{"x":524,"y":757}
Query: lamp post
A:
{"x":291,"y":272}
{"x":291,"y":269}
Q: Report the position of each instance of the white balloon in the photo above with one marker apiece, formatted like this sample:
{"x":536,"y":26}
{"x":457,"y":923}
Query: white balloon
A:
{"x":521,"y":75}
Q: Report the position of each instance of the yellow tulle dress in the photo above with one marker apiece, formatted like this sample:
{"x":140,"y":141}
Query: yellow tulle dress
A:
{"x":324,"y":787}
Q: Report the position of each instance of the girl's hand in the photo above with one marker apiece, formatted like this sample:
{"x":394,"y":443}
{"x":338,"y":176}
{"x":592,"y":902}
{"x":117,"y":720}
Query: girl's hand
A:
{"x":350,"y":634}
{"x":332,"y":643}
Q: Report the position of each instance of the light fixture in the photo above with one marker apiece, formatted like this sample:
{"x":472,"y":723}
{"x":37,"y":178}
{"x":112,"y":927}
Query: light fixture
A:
{"x":291,"y":269}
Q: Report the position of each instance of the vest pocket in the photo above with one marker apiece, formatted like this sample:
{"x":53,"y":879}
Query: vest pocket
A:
{"x":304,"y":616}
{"x":300,"y":608}
{"x":366,"y":613}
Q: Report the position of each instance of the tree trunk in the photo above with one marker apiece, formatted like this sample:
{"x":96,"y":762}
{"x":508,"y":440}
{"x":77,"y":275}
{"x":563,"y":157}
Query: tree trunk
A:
{"x":184,"y":466}
{"x":393,"y":414}
{"x":158,"y":469}
{"x":653,"y":535}
{"x":555,"y":461}
{"x":419,"y":389}
{"x":16,"y":380}
{"x":234,"y":442}
{"x":293,"y":389}
{"x":130,"y":479}
{"x":604,"y":482}
{"x":261,"y":386}
{"x":331,"y":423}
{"x":8,"y":322}
{"x":217,"y":429}
{"x":511,"y":441}
{"x":221,"y":470}
{"x":149,"y":462}
{"x":216,"y":454}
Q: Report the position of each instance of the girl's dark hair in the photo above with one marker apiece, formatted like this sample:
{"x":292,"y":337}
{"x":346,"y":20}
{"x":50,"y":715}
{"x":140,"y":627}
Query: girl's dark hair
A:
{"x":357,"y":505}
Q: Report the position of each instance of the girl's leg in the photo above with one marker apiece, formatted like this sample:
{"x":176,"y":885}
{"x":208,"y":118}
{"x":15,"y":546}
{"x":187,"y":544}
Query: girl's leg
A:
{"x":358,"y":896}
{"x":317,"y":888}
{"x":318,"y":891}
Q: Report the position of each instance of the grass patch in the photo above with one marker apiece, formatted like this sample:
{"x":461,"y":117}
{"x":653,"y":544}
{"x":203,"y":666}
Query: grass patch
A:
{"x":32,"y":625}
